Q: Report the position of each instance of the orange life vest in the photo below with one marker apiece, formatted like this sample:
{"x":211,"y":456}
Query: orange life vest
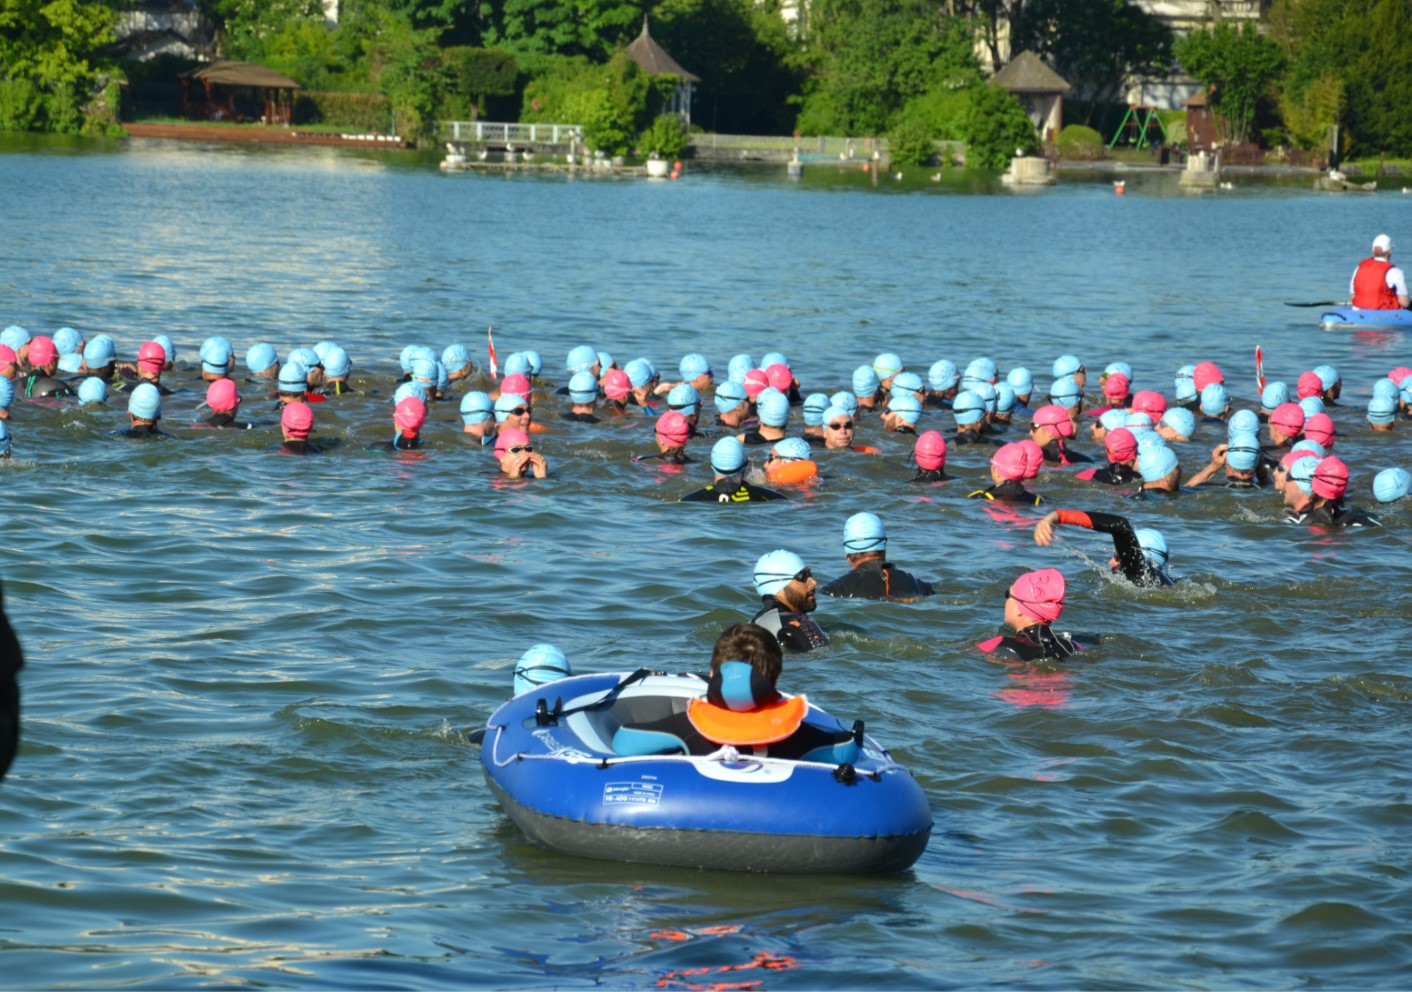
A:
{"x":1370,"y":288}
{"x":763,"y":725}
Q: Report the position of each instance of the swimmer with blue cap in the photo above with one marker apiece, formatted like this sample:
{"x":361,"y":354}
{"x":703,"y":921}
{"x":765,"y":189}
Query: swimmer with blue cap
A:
{"x":478,"y":417}
{"x":685,"y":400}
{"x":1391,"y":485}
{"x":1240,"y":458}
{"x":903,"y":412}
{"x":583,"y":394}
{"x":943,"y":383}
{"x":730,"y":463}
{"x":696,"y":371}
{"x":866,"y":387}
{"x":144,"y":407}
{"x":772,"y":407}
{"x":337,"y":368}
{"x":815,"y":404}
{"x":786,"y":589}
{"x":1161,"y":474}
{"x":1140,"y":554}
{"x":870,"y":575}
{"x":456,"y":359}
{"x":539,"y":666}
{"x":732,"y":405}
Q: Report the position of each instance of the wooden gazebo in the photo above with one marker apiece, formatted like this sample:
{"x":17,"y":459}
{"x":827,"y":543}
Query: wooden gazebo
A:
{"x":1040,"y":91}
{"x":219,"y":83}
{"x":653,"y":59}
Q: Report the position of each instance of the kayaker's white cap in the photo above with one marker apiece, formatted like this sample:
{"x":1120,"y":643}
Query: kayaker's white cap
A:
{"x":1382,"y":245}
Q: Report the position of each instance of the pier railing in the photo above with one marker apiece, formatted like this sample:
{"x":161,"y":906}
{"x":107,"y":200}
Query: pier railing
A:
{"x":495,"y":133}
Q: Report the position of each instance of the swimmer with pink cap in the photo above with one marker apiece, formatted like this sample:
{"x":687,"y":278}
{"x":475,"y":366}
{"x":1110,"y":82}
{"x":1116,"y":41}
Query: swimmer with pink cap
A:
{"x":296,"y":421}
{"x":1314,"y":494}
{"x":1010,"y":466}
{"x":929,"y":454}
{"x":223,"y":399}
{"x":518,"y":457}
{"x":672,"y":432}
{"x":1120,"y":445}
{"x":1032,"y":603}
{"x":1051,"y":429}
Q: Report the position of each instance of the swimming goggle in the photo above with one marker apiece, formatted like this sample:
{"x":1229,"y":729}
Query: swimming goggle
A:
{"x":517,"y":449}
{"x":847,"y":425}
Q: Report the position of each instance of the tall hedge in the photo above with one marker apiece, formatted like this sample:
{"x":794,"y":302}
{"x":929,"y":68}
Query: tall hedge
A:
{"x":361,"y":112}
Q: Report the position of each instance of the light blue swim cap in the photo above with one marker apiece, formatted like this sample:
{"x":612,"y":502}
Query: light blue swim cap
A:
{"x":293,"y":378}
{"x":337,"y":362}
{"x":404,"y":357}
{"x":1273,"y":395}
{"x":1301,"y":472}
{"x":1385,"y":387}
{"x":92,"y":390}
{"x":258,"y":357}
{"x":1243,"y":451}
{"x":517,"y":364}
{"x":1148,"y":438}
{"x":539,"y":666}
{"x":145,"y":402}
{"x":7,"y":393}
{"x":639,"y":372}
{"x":1327,"y":374}
{"x":1391,"y":484}
{"x":1214,"y":399}
{"x":477,"y":407}
{"x":1154,"y":546}
{"x":1066,"y":392}
{"x":505,"y":403}
{"x":793,"y":449}
{"x":684,"y":399}
{"x":1005,"y":400}
{"x":773,"y":407}
{"x":321,"y":349}
{"x":1381,"y":410}
{"x":15,"y":336}
{"x":967,"y":407}
{"x":906,"y":382}
{"x":536,"y":364}
{"x":1181,"y":420}
{"x":729,"y":395}
{"x":605,"y":361}
{"x":986,"y":391}
{"x":980,"y":370}
{"x":773,"y":358}
{"x":1066,"y":365}
{"x":775,"y":570}
{"x":70,"y":363}
{"x":581,"y":359}
{"x":1113,"y":418}
{"x":942,"y":376}
{"x":1156,"y":462}
{"x":215,"y":355}
{"x":1185,"y":383}
{"x":99,"y":352}
{"x":908,"y":407}
{"x":739,"y":365}
{"x":1121,"y":368}
{"x":728,"y":456}
{"x":66,"y":340}
{"x":443,"y":378}
{"x":814,"y":406}
{"x":4,"y":438}
{"x":1405,"y":386}
{"x":864,"y":532}
{"x":834,"y":412}
{"x":423,"y":369}
{"x":1135,"y":420}
{"x":887,"y":364}
{"x":168,"y":346}
{"x":845,"y":401}
{"x":454,"y":356}
{"x":865,"y":381}
{"x":583,"y":387}
{"x":309,"y":358}
{"x":1243,"y":422}
{"x":1021,"y":380}
{"x":1311,"y":446}
{"x":693,"y":365}
{"x":1311,"y":405}
{"x":416,"y":390}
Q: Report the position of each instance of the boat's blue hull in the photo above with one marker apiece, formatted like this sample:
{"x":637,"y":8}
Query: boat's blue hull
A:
{"x":564,"y":787}
{"x":1353,"y":317}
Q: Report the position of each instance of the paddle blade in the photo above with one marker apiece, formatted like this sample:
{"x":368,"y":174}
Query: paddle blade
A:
{"x":1318,"y":303}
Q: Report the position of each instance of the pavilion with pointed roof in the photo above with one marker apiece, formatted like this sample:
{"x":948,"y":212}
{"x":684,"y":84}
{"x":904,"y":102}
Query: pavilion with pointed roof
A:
{"x":653,"y":59}
{"x":1040,"y":91}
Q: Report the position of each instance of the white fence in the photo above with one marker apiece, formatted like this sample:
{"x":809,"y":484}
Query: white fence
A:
{"x":490,"y":132}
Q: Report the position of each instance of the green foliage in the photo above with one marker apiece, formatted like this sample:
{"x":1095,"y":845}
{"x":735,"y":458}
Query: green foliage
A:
{"x":360,"y":112}
{"x":613,"y":102}
{"x":945,"y":112}
{"x":665,"y":138}
{"x":1079,"y":136}
{"x":910,"y":140}
{"x":1095,"y":45}
{"x":1310,"y":111}
{"x":476,"y":73}
{"x":306,"y":50}
{"x":1239,"y":65}
{"x":48,"y":69}
{"x":593,"y":28}
{"x":996,"y":128}
{"x":19,"y":105}
{"x":248,"y":27}
{"x":406,"y":65}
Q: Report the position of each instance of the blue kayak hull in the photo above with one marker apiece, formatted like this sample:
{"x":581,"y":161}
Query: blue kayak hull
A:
{"x":564,"y":787}
{"x":1349,"y":317}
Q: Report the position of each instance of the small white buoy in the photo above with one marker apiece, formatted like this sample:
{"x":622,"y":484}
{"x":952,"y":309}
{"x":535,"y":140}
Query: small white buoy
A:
{"x":935,"y":177}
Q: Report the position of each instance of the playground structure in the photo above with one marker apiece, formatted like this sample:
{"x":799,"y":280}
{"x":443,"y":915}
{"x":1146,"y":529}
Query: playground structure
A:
{"x":1137,"y":128}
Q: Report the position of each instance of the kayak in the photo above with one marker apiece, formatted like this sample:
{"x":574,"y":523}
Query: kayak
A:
{"x":548,"y":757}
{"x":1348,"y":317}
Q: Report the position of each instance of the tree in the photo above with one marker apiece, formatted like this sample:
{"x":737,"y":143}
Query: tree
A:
{"x":1238,"y":65}
{"x":997,"y":127}
{"x":595,"y":28}
{"x":49,"y":73}
{"x":1097,"y":45}
{"x":406,"y":65}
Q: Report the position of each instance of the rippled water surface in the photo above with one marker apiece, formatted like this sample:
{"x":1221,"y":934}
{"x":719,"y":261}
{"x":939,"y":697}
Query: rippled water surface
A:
{"x":248,"y":675}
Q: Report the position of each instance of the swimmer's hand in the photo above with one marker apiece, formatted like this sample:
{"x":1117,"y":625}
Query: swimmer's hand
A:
{"x":1044,"y":530}
{"x":1218,"y":454}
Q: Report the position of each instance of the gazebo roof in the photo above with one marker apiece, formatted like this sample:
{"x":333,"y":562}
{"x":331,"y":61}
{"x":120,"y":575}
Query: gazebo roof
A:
{"x":1027,"y":73}
{"x":241,"y":74}
{"x":653,"y":59}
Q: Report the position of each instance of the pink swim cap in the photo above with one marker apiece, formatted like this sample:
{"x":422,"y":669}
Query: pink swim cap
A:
{"x":1309,"y":385}
{"x":1331,"y":478}
{"x":1150,"y":402}
{"x":297,"y":419}
{"x":41,"y":351}
{"x":515,"y":383}
{"x":930,"y":451}
{"x":1010,"y":462}
{"x":1034,"y":457}
{"x":1040,"y":595}
{"x":616,"y":384}
{"x":1120,"y":444}
{"x":512,"y":438}
{"x":756,"y":382}
{"x":780,"y":377}
{"x":1055,"y":418}
{"x":1396,"y":375}
{"x":1289,"y":418}
{"x":7,"y":355}
{"x":1320,"y":427}
{"x":151,"y":357}
{"x":410,"y":415}
{"x":1115,"y":387}
{"x":1206,"y":373}
{"x":673,"y":428}
{"x":222,"y":395}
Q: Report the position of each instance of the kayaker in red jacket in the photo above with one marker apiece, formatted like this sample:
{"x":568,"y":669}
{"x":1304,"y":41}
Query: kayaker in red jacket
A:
{"x":1377,"y":284}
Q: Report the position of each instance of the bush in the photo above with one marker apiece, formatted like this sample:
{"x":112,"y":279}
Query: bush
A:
{"x":19,"y":105}
{"x":477,"y":73}
{"x":1079,"y":136}
{"x":665,"y":138}
{"x":996,"y":129}
{"x":361,"y":112}
{"x":910,"y":141}
{"x":943,"y":111}
{"x":610,"y":101}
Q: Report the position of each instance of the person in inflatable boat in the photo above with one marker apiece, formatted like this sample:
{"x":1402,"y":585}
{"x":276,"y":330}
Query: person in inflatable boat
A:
{"x":742,"y":709}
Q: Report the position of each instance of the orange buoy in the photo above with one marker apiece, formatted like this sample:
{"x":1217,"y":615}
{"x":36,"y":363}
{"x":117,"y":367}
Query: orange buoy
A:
{"x":786,"y":473}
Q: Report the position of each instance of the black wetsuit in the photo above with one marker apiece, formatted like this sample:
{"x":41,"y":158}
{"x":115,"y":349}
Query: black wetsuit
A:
{"x":340,"y":389}
{"x":1037,"y":643}
{"x":796,"y":631}
{"x":675,"y":457}
{"x":38,"y":385}
{"x":582,"y":418}
{"x":1336,"y":513}
{"x":815,"y":440}
{"x":301,"y":446}
{"x":877,"y":579}
{"x":755,"y":438}
{"x":1156,"y":495}
{"x":399,"y":443}
{"x":1009,"y":491}
{"x":930,"y":475}
{"x":740,"y":492}
{"x":227,"y":420}
{"x":1114,"y":474}
{"x":1056,"y":452}
{"x":904,"y":429}
{"x":11,"y":661}
{"x":128,"y":385}
{"x":1133,"y":563}
{"x":142,"y":433}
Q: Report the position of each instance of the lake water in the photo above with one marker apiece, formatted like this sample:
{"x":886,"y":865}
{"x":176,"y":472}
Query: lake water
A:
{"x":248,"y":675}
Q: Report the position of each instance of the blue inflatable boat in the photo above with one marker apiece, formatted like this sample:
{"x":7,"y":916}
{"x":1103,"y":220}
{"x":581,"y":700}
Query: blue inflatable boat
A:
{"x":1353,"y":317}
{"x":548,"y":756}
